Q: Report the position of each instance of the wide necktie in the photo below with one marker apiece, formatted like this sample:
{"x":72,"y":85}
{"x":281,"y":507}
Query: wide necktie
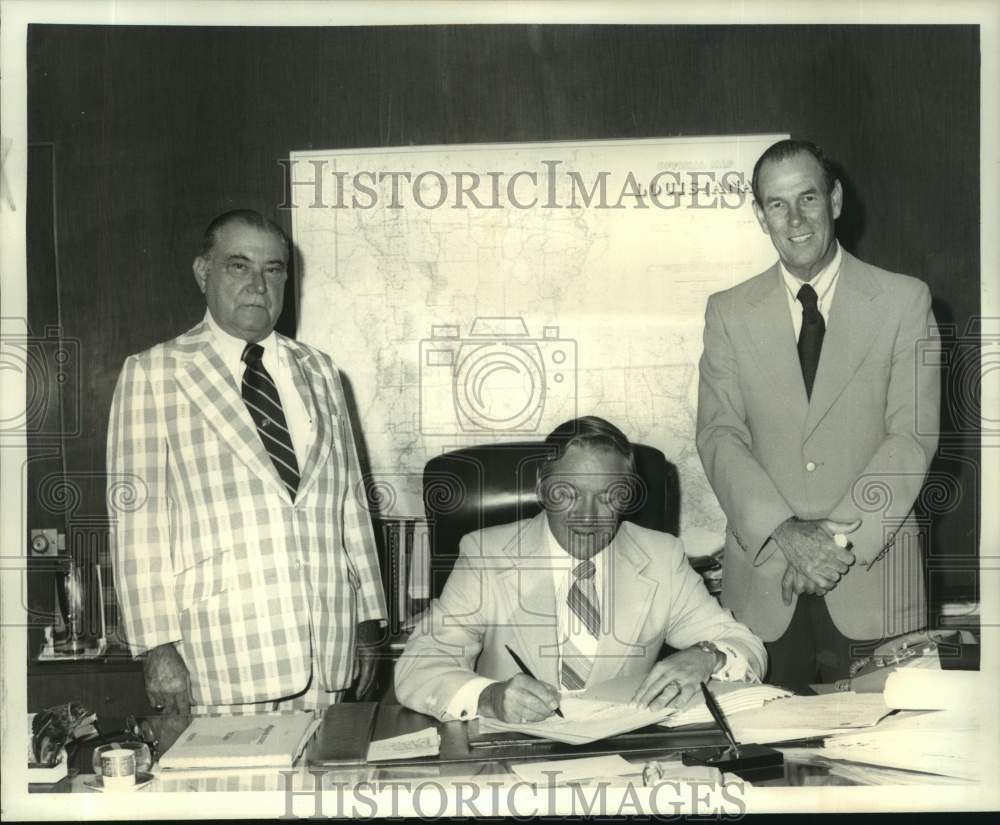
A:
{"x":262,"y":400}
{"x":811,"y":336}
{"x":585,"y":609}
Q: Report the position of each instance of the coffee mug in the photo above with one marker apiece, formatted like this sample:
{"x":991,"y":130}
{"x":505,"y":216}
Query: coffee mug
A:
{"x":119,"y":762}
{"x":118,"y":769}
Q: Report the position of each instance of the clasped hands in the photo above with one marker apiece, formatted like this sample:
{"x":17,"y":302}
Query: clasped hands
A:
{"x":815,"y":561}
{"x":671,"y":682}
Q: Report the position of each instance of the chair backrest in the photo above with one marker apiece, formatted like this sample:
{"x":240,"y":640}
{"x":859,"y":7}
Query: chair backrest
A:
{"x":476,"y":487}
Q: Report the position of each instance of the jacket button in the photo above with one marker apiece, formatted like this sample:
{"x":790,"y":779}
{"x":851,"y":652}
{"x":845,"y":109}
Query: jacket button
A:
{"x":810,"y":466}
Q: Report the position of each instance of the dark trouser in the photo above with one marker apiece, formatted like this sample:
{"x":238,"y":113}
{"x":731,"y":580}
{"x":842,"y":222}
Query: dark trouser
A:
{"x":812,"y":650}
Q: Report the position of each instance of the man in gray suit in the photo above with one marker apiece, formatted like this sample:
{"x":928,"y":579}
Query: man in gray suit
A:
{"x":808,"y":407}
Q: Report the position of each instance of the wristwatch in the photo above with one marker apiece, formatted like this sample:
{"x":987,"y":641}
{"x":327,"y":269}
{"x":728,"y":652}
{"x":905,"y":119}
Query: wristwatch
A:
{"x":720,"y":657}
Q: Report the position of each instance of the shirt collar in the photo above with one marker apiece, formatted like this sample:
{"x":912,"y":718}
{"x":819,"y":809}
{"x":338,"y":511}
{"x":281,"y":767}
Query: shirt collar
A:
{"x":231,"y":348}
{"x":821,"y":282}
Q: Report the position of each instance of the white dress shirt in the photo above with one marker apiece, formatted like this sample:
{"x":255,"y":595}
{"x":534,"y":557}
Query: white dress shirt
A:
{"x":465,"y":703}
{"x":734,"y":669}
{"x":824,"y":283}
{"x":276,"y":362}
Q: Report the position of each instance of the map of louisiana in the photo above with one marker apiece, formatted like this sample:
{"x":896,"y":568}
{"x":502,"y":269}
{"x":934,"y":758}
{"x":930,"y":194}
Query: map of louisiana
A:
{"x":482,"y":293}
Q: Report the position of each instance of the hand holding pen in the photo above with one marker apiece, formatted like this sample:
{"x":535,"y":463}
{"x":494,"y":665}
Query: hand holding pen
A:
{"x":522,"y":698}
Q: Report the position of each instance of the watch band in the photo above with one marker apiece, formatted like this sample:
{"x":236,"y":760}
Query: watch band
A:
{"x":720,"y":657}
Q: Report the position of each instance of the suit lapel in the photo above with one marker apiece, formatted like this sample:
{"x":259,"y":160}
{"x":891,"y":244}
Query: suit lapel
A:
{"x":526,"y":588}
{"x":853,"y":321}
{"x":529,"y":595}
{"x":208,"y":383}
{"x":319,"y":405}
{"x":770,"y":326}
{"x":631,"y":593}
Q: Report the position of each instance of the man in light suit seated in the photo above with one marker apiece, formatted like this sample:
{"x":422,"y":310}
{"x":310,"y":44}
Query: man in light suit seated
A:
{"x":580,"y":595}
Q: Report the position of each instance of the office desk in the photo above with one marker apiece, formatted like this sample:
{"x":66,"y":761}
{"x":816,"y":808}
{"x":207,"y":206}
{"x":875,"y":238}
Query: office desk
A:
{"x":802,"y":769}
{"x":458,"y":761}
{"x":394,"y":720}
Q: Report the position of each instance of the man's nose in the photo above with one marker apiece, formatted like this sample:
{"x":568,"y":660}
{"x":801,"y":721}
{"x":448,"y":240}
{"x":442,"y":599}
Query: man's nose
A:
{"x":257,"y":281}
{"x":794,"y":216}
{"x":587,"y":508}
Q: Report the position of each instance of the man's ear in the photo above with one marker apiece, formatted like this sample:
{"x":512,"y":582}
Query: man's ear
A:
{"x":837,"y":199}
{"x":759,"y":214}
{"x":200,"y":269}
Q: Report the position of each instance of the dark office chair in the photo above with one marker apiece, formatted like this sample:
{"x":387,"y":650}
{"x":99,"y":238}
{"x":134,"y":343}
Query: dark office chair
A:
{"x":477,"y":487}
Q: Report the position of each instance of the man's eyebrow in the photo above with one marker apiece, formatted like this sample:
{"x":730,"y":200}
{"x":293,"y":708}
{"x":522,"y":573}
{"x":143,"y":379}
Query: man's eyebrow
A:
{"x":239,"y":256}
{"x":812,"y":190}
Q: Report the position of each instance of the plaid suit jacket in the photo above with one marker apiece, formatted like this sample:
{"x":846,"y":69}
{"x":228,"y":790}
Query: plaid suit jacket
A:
{"x":208,"y":550}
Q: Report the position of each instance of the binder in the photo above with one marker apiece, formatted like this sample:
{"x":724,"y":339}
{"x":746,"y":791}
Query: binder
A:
{"x":344,"y":735}
{"x":257,"y":740}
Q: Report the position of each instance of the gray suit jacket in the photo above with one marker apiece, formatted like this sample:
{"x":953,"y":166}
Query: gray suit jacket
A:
{"x":501,"y":593}
{"x":858,"y":449}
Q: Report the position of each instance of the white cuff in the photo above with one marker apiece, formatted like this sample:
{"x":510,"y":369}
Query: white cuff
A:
{"x":465,"y":703}
{"x":737,"y":667}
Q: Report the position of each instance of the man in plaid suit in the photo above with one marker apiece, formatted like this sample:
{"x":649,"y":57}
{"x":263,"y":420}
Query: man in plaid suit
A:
{"x":245,"y":589}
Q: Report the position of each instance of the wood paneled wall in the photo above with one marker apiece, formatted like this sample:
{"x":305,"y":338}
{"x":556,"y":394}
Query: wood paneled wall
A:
{"x":156,"y":129}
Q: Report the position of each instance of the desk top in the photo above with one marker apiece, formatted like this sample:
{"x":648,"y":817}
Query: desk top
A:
{"x":394,"y":720}
{"x":485,"y":765}
{"x":803,"y":768}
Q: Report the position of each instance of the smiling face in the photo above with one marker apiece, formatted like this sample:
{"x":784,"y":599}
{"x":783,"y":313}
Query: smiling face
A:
{"x":243,"y":279}
{"x":583,"y":495}
{"x":798,"y":213}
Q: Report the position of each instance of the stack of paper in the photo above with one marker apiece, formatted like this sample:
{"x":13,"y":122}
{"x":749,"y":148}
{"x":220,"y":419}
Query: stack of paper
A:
{"x":732,"y":697}
{"x":426,"y":742}
{"x":940,"y":742}
{"x":806,"y":717}
{"x":859,"y":774}
{"x":585,"y":720}
{"x":915,"y":689}
{"x":946,"y":742}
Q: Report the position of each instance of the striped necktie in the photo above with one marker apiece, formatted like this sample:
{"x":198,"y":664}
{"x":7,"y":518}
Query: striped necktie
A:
{"x":584,"y":606}
{"x":262,"y":400}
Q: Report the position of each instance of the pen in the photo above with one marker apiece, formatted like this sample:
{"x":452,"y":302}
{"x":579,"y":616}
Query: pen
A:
{"x":527,"y":672}
{"x":720,"y":718}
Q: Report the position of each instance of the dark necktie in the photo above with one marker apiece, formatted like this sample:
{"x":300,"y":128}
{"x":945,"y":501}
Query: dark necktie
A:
{"x":262,"y":400}
{"x":810,"y":337}
{"x":586,"y":607}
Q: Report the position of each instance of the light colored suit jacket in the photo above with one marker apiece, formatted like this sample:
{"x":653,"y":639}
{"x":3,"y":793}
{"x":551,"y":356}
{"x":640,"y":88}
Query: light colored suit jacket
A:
{"x":208,"y":549}
{"x":500,"y":592}
{"x":858,"y":449}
